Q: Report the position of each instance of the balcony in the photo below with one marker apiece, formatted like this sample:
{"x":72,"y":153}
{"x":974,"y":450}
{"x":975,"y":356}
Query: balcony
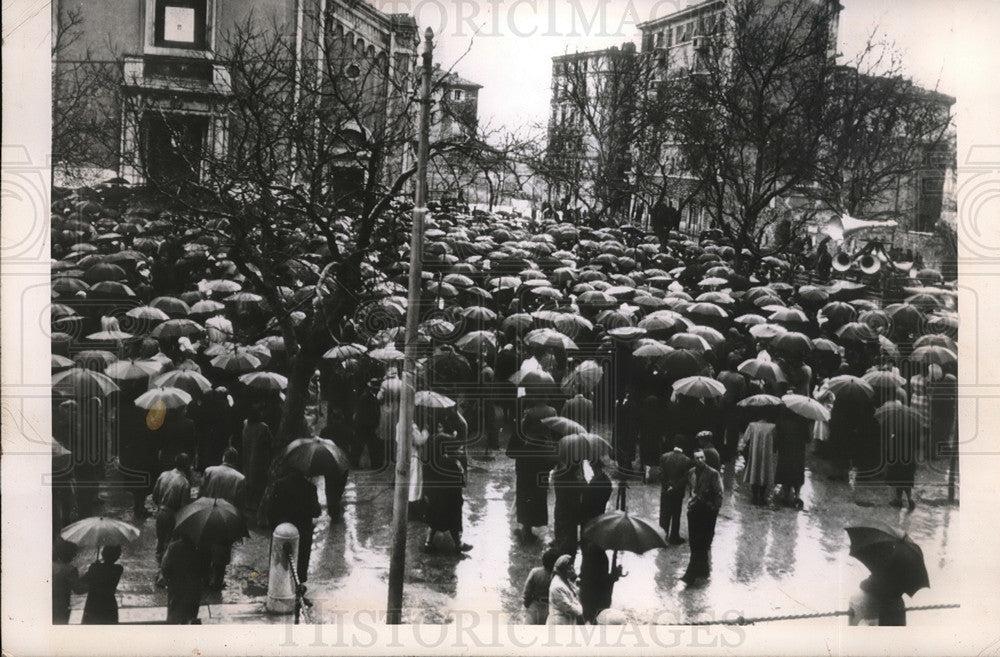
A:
{"x":177,"y":75}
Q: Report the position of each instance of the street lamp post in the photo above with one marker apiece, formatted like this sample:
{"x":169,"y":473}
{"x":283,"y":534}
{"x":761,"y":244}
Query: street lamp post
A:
{"x":397,"y":563}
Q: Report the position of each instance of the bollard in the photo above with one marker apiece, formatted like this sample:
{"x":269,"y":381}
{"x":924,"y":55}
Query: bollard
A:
{"x":280,"y":586}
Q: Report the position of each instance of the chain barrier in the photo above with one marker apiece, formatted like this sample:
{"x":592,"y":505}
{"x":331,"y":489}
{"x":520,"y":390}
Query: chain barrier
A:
{"x":300,"y":591}
{"x":765,"y":619}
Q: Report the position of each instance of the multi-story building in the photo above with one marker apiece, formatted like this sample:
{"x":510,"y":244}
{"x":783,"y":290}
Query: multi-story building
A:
{"x":455,"y":103}
{"x":167,"y":58}
{"x":590,"y":125}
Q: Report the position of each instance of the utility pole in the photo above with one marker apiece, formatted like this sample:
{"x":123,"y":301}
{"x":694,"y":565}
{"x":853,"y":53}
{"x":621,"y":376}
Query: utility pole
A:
{"x":397,"y":562}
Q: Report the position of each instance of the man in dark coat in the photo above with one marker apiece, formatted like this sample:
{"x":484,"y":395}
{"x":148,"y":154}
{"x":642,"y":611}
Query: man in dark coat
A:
{"x":295,"y":500}
{"x":225,"y":482}
{"x":138,"y":457}
{"x":366,"y":419}
{"x":170,"y":494}
{"x":184,"y":570}
{"x":703,"y":511}
{"x":674,"y":467}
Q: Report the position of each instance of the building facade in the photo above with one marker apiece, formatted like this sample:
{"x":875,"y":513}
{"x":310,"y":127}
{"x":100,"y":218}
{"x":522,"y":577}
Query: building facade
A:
{"x":591,"y":129}
{"x":167,"y":88}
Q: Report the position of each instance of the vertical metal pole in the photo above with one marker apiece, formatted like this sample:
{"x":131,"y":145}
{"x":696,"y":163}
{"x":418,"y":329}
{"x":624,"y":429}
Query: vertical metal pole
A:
{"x":397,"y":563}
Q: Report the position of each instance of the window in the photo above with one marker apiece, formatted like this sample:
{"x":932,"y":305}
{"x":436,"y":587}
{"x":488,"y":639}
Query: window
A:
{"x":457,"y":94}
{"x":180,"y":24}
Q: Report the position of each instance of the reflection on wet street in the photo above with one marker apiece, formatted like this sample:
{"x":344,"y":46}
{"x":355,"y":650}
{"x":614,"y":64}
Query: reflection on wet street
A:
{"x":767,"y":561}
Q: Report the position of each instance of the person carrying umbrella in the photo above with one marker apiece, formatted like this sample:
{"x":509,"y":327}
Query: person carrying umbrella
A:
{"x":171,"y":493}
{"x":295,"y":500}
{"x":532,"y":449}
{"x":228,"y":483}
{"x":897,"y":567}
{"x":703,"y":510}
{"x":444,"y":478}
{"x":564,"y":597}
{"x":759,"y":444}
{"x":597,"y":580}
{"x":101,"y":580}
{"x":367,"y":414}
{"x":674,"y":468}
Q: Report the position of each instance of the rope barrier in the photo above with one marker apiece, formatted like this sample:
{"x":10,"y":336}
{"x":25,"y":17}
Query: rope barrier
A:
{"x":765,"y":619}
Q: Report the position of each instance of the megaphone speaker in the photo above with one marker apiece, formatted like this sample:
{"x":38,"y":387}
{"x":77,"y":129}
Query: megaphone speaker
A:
{"x":842,"y":262}
{"x":869,"y":264}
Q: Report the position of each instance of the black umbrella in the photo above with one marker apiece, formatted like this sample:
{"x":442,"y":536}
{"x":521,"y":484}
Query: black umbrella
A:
{"x":211,"y":520}
{"x":617,"y":530}
{"x":890,"y":555}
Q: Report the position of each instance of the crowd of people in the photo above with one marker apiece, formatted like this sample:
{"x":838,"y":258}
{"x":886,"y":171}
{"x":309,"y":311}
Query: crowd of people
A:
{"x":586,"y":355}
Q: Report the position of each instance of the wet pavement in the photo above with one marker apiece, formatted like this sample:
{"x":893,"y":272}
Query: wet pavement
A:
{"x":767,"y":561}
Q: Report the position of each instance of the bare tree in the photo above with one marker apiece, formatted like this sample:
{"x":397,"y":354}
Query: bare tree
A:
{"x":882,"y":129}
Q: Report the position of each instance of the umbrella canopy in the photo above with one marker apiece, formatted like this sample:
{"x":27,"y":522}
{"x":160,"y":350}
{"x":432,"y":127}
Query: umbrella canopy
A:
{"x":896,"y":417}
{"x":150,"y":313}
{"x":189,"y":381}
{"x":892,"y":556}
{"x":758,"y":401}
{"x":767,"y":331}
{"x":431,"y":399}
{"x":80,"y":382}
{"x":169,"y":397}
{"x":617,"y":530}
{"x":807,"y":407}
{"x":851,"y":385}
{"x":935,"y":355}
{"x":172,"y":306}
{"x":575,"y":447}
{"x":98,"y":531}
{"x":210,"y":520}
{"x":177,"y":328}
{"x":761,"y":369}
{"x":133,"y":370}
{"x":61,"y":363}
{"x":316,"y":456}
{"x":264,"y":380}
{"x":236,"y":361}
{"x":562,"y":426}
{"x":544,"y":337}
{"x":682,"y":363}
{"x":95,"y":359}
{"x":701,"y":387}
{"x":344,"y":351}
{"x":792,"y":344}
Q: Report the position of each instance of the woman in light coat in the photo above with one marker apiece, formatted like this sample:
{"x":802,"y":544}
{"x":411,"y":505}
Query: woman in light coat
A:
{"x":564,"y":598}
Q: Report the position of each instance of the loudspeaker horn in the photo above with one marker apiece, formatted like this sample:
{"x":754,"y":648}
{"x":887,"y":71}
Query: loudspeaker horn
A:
{"x":842,"y":261}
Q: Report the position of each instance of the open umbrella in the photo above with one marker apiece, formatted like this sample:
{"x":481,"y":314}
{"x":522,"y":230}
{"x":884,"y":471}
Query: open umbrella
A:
{"x":807,"y":407}
{"x":80,"y":382}
{"x":264,"y":381}
{"x":237,"y":361}
{"x":431,"y":399}
{"x":544,"y":337}
{"x":891,"y":555}
{"x":759,"y":401}
{"x":344,"y":351}
{"x":701,"y":387}
{"x":763,"y":370}
{"x":792,"y":344}
{"x":98,"y":530}
{"x":617,"y":530}
{"x":894,"y":416}
{"x":133,"y":370}
{"x":316,"y":456}
{"x":934,"y":354}
{"x":210,"y":520}
{"x":681,"y":363}
{"x":851,"y":385}
{"x":177,"y":328}
{"x":190,"y":381}
{"x":169,"y":397}
{"x":575,"y":447}
{"x":562,"y":426}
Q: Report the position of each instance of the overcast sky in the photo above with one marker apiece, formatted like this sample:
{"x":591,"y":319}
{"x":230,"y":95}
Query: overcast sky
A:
{"x":511,"y":55}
